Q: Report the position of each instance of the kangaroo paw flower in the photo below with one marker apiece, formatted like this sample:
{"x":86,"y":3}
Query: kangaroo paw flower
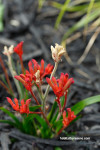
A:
{"x":23,"y":108}
{"x":69,"y":119}
{"x":19,"y":49}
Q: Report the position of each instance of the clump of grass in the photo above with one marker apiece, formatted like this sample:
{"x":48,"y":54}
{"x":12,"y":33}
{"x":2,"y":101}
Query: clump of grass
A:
{"x":88,"y":10}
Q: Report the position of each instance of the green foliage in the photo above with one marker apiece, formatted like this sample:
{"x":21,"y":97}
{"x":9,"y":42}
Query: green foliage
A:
{"x":34,"y":108}
{"x":15,"y":122}
{"x":52,"y":116}
{"x":58,"y":148}
{"x":1,"y":16}
{"x":86,"y":19}
{"x":63,"y":9}
{"x":87,"y":10}
{"x":34,"y":124}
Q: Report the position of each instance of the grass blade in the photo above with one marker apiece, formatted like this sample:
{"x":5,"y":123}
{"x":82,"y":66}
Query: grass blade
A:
{"x":16,"y":121}
{"x":81,"y":23}
{"x":63,"y":9}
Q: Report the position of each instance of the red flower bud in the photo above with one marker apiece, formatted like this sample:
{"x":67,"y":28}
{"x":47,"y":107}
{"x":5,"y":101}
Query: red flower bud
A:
{"x":19,"y":49}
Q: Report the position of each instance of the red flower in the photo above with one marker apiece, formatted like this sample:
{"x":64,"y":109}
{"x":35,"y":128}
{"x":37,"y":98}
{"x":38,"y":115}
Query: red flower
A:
{"x":19,"y":50}
{"x":34,"y":75}
{"x":14,"y":106}
{"x":70,"y":118}
{"x":39,"y":72}
{"x":26,"y":80}
{"x":24,"y":108}
{"x":60,"y":86}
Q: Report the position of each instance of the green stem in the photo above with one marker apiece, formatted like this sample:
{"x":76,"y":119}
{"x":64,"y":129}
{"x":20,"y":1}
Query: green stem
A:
{"x":13,"y":73}
{"x":40,"y":108}
{"x":48,"y":87}
{"x":65,"y":101}
{"x":22,"y":65}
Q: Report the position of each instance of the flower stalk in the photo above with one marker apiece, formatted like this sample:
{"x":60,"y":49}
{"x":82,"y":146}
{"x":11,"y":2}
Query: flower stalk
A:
{"x":48,"y":87}
{"x":22,"y":66}
{"x":12,"y":71}
{"x":65,"y":101}
{"x":40,"y":108}
{"x":6,"y":88}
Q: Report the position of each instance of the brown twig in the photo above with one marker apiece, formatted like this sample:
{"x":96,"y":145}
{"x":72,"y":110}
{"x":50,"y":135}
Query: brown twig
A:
{"x":6,"y":74}
{"x":4,"y":86}
{"x":90,"y":44}
{"x":77,"y":35}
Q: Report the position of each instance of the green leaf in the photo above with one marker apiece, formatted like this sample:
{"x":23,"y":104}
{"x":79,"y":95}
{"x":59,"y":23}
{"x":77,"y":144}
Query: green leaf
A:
{"x":33,"y":108}
{"x":54,"y":116}
{"x":41,"y":121}
{"x":40,"y":124}
{"x":86,"y":19}
{"x":16,"y":121}
{"x":53,"y":109}
{"x":29,"y":125}
{"x":77,"y":108}
{"x":89,"y":10}
{"x":8,"y":122}
{"x":43,"y":126}
{"x":1,"y":16}
{"x":58,"y":148}
{"x":26,"y":94}
{"x":41,"y":2}
{"x":63,"y":9}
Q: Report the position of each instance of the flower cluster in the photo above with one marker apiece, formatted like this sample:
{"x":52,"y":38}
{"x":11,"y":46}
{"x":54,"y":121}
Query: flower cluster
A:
{"x":24,"y":108}
{"x":19,"y":49}
{"x":69,"y":119}
{"x":26,"y":80}
{"x":34,"y":75}
{"x":60,"y":86}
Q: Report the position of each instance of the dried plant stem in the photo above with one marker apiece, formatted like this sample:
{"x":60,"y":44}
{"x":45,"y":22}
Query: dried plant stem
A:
{"x":13,"y":73}
{"x":6,"y":74}
{"x":90,"y":44}
{"x":48,"y":87}
{"x":66,"y":54}
{"x":4,"y":86}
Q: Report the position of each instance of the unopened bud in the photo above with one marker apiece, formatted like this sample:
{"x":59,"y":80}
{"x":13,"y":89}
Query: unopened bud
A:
{"x":8,"y":51}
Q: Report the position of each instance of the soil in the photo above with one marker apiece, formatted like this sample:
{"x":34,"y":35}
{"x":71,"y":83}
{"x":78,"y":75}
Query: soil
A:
{"x":24,"y":22}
